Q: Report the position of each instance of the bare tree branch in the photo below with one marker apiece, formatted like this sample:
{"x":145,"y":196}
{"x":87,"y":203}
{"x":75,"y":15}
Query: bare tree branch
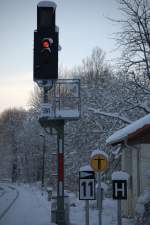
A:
{"x":113,"y":115}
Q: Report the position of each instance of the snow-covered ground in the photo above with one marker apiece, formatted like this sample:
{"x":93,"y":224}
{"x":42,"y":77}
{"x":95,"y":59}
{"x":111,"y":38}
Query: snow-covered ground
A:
{"x":33,"y":208}
{"x":109,"y":215}
{"x":30,"y":208}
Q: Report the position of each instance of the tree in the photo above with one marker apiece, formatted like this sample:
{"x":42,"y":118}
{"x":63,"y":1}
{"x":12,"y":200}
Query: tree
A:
{"x":21,"y":145}
{"x":134,"y":65}
{"x":11,"y":122}
{"x":94,"y":69}
{"x":35,"y":99}
{"x":134,"y":41}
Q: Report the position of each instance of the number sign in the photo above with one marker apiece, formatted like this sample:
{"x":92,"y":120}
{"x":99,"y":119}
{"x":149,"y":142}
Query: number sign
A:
{"x":86,"y":185}
{"x":45,"y":110}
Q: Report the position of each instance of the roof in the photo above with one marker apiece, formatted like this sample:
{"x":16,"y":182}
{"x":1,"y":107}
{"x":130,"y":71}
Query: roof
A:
{"x":139,"y":129}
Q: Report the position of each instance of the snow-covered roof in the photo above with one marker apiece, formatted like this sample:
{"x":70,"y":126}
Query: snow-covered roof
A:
{"x":124,"y":133}
{"x":47,"y":4}
{"x":119,"y":175}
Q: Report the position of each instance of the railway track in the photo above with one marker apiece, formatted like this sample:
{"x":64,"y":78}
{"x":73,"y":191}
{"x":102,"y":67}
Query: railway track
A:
{"x":2,"y":192}
{"x":9,"y":187}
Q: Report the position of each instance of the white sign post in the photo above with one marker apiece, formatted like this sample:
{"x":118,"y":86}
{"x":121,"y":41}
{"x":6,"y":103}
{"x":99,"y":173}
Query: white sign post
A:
{"x":86,"y":185}
{"x":86,"y":188}
{"x":99,"y":163}
{"x":87,"y":215}
{"x":119,"y":180}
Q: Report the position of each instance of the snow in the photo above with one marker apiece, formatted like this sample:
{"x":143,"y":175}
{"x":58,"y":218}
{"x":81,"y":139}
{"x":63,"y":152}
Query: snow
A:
{"x":57,"y":30}
{"x":114,"y":115}
{"x":104,"y":186}
{"x":145,"y":197}
{"x":8,"y":195}
{"x":119,"y":175}
{"x":68,"y":113}
{"x":47,"y":4}
{"x":45,"y":83}
{"x":62,"y":113}
{"x":123,"y":134}
{"x":109,"y":213}
{"x":98,"y":152}
{"x":71,"y":81}
{"x":147,"y":173}
{"x":30,"y":208}
{"x":142,"y":200}
{"x":59,"y":48}
{"x":33,"y":208}
{"x":117,"y":152}
{"x":86,"y":168}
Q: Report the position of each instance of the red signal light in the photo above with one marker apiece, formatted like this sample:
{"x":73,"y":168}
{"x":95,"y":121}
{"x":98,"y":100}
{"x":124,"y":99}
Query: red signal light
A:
{"x":45,"y":44}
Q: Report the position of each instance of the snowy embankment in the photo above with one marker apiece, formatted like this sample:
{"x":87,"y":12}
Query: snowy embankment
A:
{"x":32,"y":207}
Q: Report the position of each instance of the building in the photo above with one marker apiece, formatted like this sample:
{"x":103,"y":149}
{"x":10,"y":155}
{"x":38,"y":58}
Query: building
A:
{"x":135,"y":160}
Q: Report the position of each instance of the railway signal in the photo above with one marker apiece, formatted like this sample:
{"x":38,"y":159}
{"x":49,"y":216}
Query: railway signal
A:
{"x":45,"y":66}
{"x":45,"y":74}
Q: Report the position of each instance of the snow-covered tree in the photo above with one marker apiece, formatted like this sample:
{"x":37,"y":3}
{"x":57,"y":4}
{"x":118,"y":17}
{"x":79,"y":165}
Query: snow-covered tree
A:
{"x":134,"y":38}
{"x":11,"y":122}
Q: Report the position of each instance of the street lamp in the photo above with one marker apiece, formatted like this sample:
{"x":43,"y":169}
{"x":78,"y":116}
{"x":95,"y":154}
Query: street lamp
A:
{"x":43,"y":161}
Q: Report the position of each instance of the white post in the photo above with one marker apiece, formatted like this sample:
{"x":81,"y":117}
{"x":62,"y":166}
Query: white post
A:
{"x":87,"y":212}
{"x":99,"y":199}
{"x":119,"y":212}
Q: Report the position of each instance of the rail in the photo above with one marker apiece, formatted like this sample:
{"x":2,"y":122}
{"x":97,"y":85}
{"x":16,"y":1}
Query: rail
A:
{"x":4,"y":212}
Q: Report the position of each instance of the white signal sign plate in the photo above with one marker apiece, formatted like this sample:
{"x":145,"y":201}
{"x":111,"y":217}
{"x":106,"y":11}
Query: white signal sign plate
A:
{"x":87,"y":185}
{"x":46,"y":110}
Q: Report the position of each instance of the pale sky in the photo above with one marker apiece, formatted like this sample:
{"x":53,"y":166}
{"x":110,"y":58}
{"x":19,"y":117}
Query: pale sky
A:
{"x":82,"y":25}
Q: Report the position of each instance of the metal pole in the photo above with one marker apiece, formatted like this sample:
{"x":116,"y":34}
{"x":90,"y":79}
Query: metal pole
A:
{"x":87,"y":212}
{"x":43,"y":164}
{"x":45,"y":95}
{"x":99,"y":199}
{"x":60,"y":216}
{"x":119,"y":212}
{"x":45,"y":98}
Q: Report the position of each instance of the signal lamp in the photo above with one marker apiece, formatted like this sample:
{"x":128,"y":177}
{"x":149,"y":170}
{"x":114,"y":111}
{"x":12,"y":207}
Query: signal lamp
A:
{"x":45,"y":44}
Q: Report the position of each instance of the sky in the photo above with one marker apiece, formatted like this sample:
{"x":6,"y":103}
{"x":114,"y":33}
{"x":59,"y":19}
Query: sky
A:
{"x":83,"y":25}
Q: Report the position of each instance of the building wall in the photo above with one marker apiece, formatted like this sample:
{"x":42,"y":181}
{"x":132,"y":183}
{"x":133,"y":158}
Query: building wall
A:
{"x":145,"y":167}
{"x":136,"y":150}
{"x":136,"y":162}
{"x":127,"y":209}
